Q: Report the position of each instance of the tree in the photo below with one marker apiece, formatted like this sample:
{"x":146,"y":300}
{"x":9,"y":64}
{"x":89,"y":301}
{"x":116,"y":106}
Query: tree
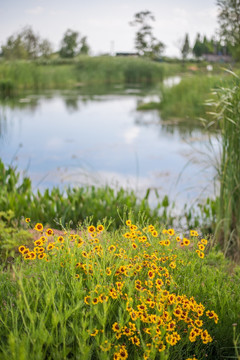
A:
{"x":45,"y":48}
{"x":185,"y":50}
{"x":30,"y":41}
{"x":14,"y":48}
{"x":69,"y":44}
{"x":198,"y":48}
{"x":145,"y":42}
{"x":229,"y":21}
{"x":84,"y":47}
{"x":22,"y":45}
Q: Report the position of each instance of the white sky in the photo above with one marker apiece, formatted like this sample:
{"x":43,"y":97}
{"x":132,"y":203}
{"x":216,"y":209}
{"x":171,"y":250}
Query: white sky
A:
{"x":106,"y":22}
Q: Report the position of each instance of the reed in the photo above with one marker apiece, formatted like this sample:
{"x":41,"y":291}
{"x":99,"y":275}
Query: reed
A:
{"x":227,"y":117}
{"x":18,"y":76}
{"x":186,"y":100}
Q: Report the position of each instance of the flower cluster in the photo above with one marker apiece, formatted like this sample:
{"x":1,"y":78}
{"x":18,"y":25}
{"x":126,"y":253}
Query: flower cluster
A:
{"x":136,"y":271}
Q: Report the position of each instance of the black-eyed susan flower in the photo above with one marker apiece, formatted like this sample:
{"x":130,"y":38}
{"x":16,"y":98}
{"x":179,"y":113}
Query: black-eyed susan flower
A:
{"x":50,"y":246}
{"x":198,"y":323}
{"x":135,"y":340}
{"x":87,"y":300}
{"x":103,"y":298}
{"x":108,"y":271}
{"x":171,"y":232}
{"x":27,"y":220}
{"x":128,"y":222}
{"x":112,"y":248}
{"x":38,"y":242}
{"x":49,"y":232}
{"x":116,"y":327}
{"x":100,"y":228}
{"x":186,"y":241}
{"x":94,"y":333}
{"x":60,"y":239}
{"x":38,"y":227}
{"x":91,"y":229}
{"x":161,"y":347}
{"x":21,"y":249}
{"x":32,"y":255}
{"x":193,"y":233}
{"x":172,"y":264}
{"x":123,"y":354}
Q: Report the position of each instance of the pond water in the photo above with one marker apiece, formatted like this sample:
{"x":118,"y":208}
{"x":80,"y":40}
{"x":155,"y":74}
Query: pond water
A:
{"x":74,"y":138}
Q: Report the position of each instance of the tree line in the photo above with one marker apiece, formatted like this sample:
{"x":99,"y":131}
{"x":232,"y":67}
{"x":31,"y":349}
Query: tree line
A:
{"x":28,"y":45}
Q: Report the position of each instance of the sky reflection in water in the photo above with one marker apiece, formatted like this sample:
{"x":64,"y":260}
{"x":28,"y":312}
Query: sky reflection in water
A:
{"x":66,"y":138}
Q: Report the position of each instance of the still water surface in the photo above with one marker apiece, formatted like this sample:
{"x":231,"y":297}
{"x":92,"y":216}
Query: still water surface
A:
{"x":67,"y":138}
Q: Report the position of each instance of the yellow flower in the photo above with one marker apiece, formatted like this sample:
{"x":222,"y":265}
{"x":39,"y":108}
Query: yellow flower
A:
{"x":87,"y":300}
{"x":112,"y":248}
{"x":32,"y":255}
{"x":172,"y":264}
{"x":123,"y":354}
{"x":49,"y":232}
{"x":135,"y":340}
{"x":27,"y":220}
{"x":171,"y":232}
{"x":161,"y":347}
{"x":91,"y":229}
{"x":186,"y":242}
{"x":38,"y":242}
{"x":94,"y":333}
{"x":50,"y":246}
{"x":100,"y":228}
{"x":21,"y":248}
{"x":38,"y":227}
{"x":60,"y":239}
{"x":108,"y":271}
{"x":128,"y":223}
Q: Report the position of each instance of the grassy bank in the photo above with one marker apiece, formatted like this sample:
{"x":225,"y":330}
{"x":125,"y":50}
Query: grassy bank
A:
{"x":226,"y":118}
{"x":141,"y":292}
{"x":32,"y":75}
{"x":186,"y":100}
{"x":74,"y":204}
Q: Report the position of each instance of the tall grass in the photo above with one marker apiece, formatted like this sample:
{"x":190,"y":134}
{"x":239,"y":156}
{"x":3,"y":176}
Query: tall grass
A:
{"x":186,"y":100}
{"x":73,"y":204}
{"x":34,"y":75}
{"x":141,"y":292}
{"x":227,"y":117}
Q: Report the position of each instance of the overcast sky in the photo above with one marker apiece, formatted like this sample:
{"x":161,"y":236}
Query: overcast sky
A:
{"x":106,"y":22}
